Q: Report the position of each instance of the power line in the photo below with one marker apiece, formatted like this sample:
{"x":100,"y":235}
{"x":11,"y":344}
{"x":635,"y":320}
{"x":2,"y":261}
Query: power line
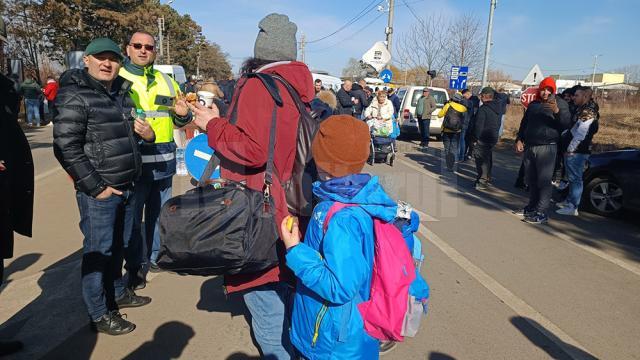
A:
{"x":362,"y":13}
{"x":347,"y":38}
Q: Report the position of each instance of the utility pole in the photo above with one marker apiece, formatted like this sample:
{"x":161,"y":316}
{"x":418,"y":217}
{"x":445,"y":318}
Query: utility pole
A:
{"x":487,"y":49}
{"x":161,"y":37}
{"x":303,"y":40}
{"x":389,"y":30}
{"x":593,"y":75}
{"x":168,"y":54}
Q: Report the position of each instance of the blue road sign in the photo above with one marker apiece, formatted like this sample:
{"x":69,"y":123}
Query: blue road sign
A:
{"x":386,"y":75}
{"x":458,"y":77}
{"x":197,"y":155}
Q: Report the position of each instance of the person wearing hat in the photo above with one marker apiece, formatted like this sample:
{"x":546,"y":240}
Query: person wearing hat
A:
{"x":485,"y":135}
{"x":333,"y":265}
{"x":454,"y":113}
{"x":95,"y":139}
{"x":424,"y":108}
{"x":244,"y":148}
{"x":538,"y":137}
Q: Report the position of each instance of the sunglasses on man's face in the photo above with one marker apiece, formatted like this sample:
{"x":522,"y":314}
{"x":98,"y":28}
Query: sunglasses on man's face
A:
{"x":139,"y":46}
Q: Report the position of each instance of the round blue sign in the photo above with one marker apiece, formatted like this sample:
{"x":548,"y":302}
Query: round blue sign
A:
{"x":386,"y":75}
{"x":197,"y":155}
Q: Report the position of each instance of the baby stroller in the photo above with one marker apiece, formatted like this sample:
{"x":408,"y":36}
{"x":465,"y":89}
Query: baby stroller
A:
{"x":383,"y":148}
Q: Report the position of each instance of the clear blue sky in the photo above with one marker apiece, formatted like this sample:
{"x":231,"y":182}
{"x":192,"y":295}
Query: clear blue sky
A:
{"x":561,"y":36}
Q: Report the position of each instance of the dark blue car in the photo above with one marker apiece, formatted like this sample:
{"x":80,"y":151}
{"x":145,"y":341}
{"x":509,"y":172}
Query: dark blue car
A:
{"x":612,"y":182}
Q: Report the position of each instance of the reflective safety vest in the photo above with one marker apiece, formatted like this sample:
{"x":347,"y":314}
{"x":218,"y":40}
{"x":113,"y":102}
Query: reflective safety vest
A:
{"x":158,"y":116}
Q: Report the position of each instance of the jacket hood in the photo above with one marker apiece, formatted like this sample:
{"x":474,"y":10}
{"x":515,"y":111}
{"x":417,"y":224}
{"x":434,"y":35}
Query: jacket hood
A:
{"x":547,"y":82}
{"x":458,"y":106}
{"x":493,"y":105}
{"x":360,"y":189}
{"x":80,"y":77}
{"x":297,"y":74}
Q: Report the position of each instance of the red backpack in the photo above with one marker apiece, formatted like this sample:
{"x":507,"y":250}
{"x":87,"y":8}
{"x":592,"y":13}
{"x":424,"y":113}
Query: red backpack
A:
{"x":393,"y":271}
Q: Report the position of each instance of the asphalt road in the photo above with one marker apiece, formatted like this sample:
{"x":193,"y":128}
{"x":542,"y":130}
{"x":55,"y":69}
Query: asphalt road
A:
{"x":501,"y":288}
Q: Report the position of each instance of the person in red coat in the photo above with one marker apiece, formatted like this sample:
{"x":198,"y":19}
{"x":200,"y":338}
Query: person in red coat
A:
{"x":50,"y":91}
{"x":243,"y":149}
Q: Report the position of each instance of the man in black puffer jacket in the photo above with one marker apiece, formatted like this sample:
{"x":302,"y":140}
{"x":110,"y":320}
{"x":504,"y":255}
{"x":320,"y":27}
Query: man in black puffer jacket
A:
{"x":543,"y":122}
{"x":96,"y":142}
{"x":485,"y":133}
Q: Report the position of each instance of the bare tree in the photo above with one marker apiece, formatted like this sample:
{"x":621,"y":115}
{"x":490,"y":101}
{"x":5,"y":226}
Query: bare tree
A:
{"x":354,"y":69}
{"x":423,"y":46}
{"x":434,"y":43}
{"x":631,"y":73}
{"x":26,"y":40}
{"x":464,"y":43}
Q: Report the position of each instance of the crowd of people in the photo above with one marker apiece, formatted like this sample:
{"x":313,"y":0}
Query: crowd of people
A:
{"x":113,"y":125}
{"x":113,"y":134}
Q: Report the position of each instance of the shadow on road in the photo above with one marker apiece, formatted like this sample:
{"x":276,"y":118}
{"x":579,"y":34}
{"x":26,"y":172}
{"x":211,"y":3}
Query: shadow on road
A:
{"x":588,"y":229}
{"x":547,"y":341}
{"x":213,"y":299}
{"x":242,"y":356}
{"x":169,"y":340}
{"x":55,"y":314}
{"x":21,"y":263}
{"x":434,"y":355}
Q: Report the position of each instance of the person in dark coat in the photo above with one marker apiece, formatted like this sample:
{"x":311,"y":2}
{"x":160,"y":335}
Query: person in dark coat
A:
{"x":543,"y":122}
{"x":361,"y":103}
{"x":16,"y":183}
{"x":485,"y":136}
{"x":346,"y":102}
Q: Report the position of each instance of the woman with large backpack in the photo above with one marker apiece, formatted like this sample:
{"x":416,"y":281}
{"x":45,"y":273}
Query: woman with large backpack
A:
{"x":453,"y":113}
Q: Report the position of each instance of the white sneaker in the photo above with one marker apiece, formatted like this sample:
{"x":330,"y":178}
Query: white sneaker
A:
{"x":562,"y":204}
{"x":568,"y":210}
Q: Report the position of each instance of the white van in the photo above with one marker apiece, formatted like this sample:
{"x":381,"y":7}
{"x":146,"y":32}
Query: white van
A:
{"x":409,"y":96}
{"x":175,"y":71}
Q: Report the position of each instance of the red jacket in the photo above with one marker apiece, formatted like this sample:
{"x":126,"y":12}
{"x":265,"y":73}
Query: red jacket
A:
{"x":50,"y":91}
{"x":244,"y":146}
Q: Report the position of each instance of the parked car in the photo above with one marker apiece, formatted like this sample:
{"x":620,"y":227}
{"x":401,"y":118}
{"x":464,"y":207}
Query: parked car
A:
{"x":409,"y":96}
{"x":612,"y":182}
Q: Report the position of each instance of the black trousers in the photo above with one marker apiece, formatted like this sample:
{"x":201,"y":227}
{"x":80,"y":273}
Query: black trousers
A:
{"x":483,"y":153}
{"x":423,"y":125}
{"x":539,"y":163}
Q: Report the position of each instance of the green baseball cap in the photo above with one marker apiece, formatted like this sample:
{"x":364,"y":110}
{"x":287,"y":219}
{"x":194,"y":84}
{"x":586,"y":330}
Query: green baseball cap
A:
{"x":102,"y":45}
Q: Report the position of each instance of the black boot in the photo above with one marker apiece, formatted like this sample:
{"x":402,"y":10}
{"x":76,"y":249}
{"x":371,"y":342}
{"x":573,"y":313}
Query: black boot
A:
{"x":130,"y":299}
{"x":112,"y":323}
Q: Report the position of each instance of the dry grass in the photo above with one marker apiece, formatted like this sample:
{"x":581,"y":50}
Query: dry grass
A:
{"x":619,"y":126}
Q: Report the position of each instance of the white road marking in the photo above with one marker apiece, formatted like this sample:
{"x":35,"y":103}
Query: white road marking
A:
{"x":424,"y":216}
{"x":563,"y":340}
{"x":599,"y":253}
{"x":47,"y":173}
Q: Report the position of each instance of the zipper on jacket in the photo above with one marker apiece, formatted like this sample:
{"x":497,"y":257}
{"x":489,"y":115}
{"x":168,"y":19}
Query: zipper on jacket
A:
{"x":319,"y":317}
{"x":130,"y":131}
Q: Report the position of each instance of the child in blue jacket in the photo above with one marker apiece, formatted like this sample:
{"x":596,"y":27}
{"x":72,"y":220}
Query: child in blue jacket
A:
{"x":334,"y":268}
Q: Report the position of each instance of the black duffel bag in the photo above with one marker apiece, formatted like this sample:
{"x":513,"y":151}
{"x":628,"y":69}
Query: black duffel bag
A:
{"x":221,"y":228}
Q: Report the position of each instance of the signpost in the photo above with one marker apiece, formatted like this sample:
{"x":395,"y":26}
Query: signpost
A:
{"x":386,"y":76}
{"x":458,"y":77}
{"x":528,"y":96}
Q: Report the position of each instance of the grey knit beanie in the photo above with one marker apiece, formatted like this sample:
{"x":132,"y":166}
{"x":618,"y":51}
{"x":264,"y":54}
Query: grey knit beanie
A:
{"x":277,"y":39}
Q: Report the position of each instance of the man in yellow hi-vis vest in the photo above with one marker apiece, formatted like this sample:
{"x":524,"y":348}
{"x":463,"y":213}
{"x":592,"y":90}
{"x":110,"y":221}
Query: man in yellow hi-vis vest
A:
{"x":158,"y":96}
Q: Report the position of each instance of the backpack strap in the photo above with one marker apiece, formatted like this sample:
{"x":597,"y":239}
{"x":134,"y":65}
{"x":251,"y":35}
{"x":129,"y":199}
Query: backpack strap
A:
{"x":337,"y":206}
{"x":271,"y":87}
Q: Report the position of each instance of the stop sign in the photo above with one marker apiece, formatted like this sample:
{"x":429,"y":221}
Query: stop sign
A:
{"x":528,"y":96}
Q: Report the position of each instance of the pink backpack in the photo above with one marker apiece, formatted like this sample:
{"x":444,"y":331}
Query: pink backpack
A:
{"x":393,"y":271}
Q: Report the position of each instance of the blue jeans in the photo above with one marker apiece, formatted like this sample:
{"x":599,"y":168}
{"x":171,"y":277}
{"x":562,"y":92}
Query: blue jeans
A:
{"x":33,"y":111}
{"x":574,"y":165}
{"x":450,"y":141}
{"x":269,"y":306}
{"x":106,"y":226}
{"x":149,"y":196}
